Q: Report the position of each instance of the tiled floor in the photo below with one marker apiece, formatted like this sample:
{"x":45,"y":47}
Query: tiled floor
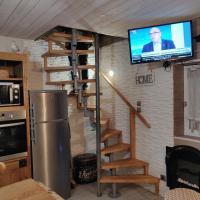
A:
{"x":132,"y":192}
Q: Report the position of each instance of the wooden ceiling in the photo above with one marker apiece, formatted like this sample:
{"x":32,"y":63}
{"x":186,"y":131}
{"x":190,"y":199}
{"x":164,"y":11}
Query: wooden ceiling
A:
{"x":29,"y":19}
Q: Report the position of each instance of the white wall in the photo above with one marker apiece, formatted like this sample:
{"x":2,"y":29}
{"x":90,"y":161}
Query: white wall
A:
{"x":37,"y":76}
{"x":35,"y":50}
{"x":157,"y":105}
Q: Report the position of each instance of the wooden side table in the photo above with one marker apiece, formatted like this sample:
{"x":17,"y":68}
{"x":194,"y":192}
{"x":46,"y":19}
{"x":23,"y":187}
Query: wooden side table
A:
{"x":182,"y":194}
{"x":2,"y":167}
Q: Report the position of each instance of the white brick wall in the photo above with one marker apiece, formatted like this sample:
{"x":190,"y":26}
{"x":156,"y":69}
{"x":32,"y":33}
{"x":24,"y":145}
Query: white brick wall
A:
{"x":157,"y":105}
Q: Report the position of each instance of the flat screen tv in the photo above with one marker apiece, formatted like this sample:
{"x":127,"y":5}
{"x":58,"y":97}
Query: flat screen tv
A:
{"x":162,"y":42}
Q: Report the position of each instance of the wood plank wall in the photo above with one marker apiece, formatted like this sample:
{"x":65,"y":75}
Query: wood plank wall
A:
{"x":178,"y":76}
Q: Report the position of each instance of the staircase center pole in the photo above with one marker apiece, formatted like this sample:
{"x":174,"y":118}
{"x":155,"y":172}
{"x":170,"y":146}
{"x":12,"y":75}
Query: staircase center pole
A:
{"x":74,"y":59}
{"x":114,"y":193}
{"x":98,"y":128}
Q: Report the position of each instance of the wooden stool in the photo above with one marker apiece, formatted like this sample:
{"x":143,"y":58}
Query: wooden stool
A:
{"x":182,"y":194}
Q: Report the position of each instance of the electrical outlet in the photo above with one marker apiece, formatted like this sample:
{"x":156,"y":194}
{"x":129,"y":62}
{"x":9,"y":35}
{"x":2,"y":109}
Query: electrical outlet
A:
{"x":138,"y":103}
{"x":163,"y":177}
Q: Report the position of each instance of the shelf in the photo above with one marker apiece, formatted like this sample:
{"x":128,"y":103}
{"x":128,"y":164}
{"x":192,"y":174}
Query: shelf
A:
{"x":14,"y":160}
{"x":188,"y":138}
{"x":11,"y":79}
{"x":189,"y":62}
{"x":11,"y":56}
{"x":12,"y":108}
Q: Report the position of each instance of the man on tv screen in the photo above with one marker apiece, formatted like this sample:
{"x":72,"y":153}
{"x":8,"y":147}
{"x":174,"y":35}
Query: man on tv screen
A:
{"x":157,"y":43}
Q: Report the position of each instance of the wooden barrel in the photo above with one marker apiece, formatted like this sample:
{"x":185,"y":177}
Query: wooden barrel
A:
{"x":85,"y":168}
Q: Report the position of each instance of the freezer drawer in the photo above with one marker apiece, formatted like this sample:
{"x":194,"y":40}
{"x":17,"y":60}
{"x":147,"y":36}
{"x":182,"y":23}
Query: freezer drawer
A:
{"x":47,"y":105}
{"x":51,"y":155}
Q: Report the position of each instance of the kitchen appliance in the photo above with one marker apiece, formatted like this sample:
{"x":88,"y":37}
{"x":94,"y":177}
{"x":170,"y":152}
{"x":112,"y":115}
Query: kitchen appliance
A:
{"x":9,"y":94}
{"x":13,"y":142}
{"x":50,"y":139}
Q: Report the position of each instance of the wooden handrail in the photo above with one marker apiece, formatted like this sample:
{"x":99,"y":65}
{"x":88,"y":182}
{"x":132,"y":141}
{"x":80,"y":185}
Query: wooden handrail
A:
{"x":126,"y":101}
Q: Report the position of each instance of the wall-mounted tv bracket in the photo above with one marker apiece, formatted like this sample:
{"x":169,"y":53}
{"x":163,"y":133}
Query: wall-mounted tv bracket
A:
{"x":167,"y":65}
{"x":197,"y":38}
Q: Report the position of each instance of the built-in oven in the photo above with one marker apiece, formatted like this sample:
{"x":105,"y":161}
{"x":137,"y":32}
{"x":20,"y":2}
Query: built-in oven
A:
{"x":13,"y":140}
{"x":10,"y":94}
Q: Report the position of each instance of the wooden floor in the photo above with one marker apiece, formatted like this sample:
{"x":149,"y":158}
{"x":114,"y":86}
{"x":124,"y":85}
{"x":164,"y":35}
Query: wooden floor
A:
{"x":132,"y":192}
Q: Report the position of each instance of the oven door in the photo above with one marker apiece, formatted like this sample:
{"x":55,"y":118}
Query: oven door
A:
{"x":13,"y":143}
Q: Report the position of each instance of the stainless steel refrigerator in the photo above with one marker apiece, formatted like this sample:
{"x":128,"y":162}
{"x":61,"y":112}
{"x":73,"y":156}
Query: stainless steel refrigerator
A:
{"x":50,"y":139}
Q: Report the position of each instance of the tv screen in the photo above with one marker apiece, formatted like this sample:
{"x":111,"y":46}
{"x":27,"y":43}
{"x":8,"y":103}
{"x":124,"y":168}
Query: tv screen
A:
{"x":162,"y":42}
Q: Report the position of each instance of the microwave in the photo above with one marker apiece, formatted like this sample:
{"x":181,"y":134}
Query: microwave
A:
{"x":9,"y":94}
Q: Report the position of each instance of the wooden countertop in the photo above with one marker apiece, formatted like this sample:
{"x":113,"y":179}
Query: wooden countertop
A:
{"x":27,"y":190}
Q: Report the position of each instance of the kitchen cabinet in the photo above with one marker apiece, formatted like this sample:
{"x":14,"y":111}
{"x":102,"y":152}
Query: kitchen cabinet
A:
{"x":14,"y":107}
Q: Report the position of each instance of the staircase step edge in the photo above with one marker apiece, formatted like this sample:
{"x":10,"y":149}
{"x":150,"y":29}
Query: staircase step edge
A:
{"x":130,"y":179}
{"x":125,"y":163}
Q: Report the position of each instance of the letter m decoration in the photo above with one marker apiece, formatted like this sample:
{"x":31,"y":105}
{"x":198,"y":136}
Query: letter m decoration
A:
{"x":147,"y":78}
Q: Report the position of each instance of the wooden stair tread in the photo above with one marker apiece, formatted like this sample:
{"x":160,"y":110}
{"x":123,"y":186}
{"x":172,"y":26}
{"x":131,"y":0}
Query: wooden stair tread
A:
{"x":83,"y":52}
{"x":58,"y":39}
{"x":87,"y":81}
{"x":56,"y":53}
{"x":68,"y":37}
{"x":108,"y":133}
{"x":61,"y":34}
{"x":64,"y":37}
{"x":130,"y":179}
{"x":82,"y":38}
{"x":59,"y":82}
{"x":82,"y":67}
{"x":115,"y":148}
{"x":103,"y":122}
{"x":91,"y":107}
{"x":124,"y":163}
{"x":88,"y":93}
{"x":58,"y":69}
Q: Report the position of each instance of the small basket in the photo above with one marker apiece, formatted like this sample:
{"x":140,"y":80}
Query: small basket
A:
{"x":85,"y":168}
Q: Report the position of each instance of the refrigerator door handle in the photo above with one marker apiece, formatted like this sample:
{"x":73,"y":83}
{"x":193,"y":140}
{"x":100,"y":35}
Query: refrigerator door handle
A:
{"x":69,"y":129}
{"x":33,"y":139}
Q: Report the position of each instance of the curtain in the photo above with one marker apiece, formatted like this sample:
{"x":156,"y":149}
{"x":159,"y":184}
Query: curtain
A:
{"x":193,"y":76}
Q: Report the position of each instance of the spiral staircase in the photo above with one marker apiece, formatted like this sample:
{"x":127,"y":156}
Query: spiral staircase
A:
{"x":105,"y":134}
